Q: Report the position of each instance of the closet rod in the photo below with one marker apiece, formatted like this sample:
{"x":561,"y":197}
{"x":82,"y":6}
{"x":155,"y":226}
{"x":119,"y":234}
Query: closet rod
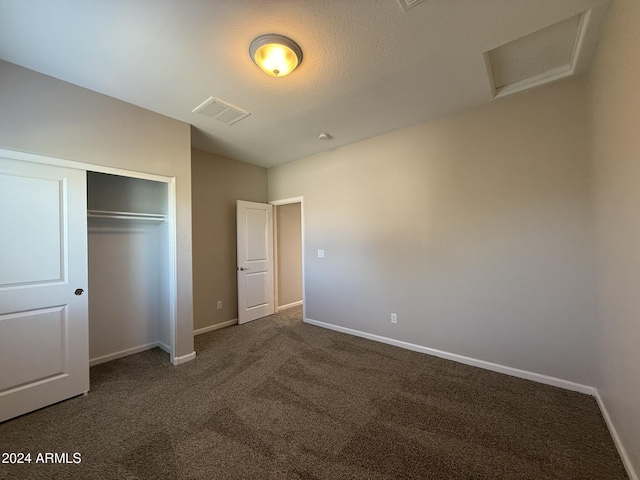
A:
{"x":147,"y":217}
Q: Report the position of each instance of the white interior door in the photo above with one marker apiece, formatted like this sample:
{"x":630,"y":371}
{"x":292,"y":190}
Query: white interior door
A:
{"x":255,"y":260}
{"x":44,"y":341}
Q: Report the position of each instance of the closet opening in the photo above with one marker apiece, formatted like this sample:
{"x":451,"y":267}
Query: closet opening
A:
{"x":131,"y":285}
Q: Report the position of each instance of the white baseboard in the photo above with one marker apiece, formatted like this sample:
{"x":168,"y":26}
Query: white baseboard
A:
{"x":515,"y":372}
{"x":165,"y":347}
{"x":288,"y":305}
{"x":211,"y":328}
{"x":122,"y":353}
{"x":616,"y":438}
{"x":183,"y":358}
{"x":141,"y":348}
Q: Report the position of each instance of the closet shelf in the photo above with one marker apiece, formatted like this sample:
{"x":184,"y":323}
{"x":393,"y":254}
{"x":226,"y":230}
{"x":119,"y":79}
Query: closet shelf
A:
{"x":144,"y":217}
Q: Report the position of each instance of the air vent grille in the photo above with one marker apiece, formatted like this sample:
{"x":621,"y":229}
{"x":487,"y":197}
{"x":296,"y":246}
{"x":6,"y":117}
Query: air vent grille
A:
{"x":221,"y":111}
{"x":407,"y":4}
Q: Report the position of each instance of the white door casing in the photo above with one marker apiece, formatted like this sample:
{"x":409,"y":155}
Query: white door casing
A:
{"x":44,"y":347}
{"x":255,"y":260}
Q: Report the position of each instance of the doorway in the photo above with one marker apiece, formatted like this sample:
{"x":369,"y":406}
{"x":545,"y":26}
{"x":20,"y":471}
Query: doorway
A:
{"x":263,"y":288}
{"x":288,"y":253}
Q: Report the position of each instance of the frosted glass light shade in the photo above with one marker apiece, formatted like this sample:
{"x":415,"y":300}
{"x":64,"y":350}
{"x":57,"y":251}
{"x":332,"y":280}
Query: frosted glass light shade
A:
{"x":275,"y":55}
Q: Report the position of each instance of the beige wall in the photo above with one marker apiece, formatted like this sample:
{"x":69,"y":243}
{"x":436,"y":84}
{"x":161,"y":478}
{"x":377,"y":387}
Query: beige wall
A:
{"x":289,"y":248}
{"x":217,"y":183}
{"x":43,"y":115}
{"x":474,"y":229}
{"x":615,"y":103}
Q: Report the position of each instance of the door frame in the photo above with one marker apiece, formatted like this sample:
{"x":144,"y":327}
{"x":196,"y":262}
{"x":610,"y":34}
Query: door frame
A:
{"x":171,"y":221}
{"x":276,"y":203}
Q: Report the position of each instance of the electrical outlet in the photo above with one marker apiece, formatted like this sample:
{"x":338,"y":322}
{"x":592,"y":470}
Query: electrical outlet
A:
{"x":394,"y":318}
{"x":219,"y":304}
{"x":320,"y":253}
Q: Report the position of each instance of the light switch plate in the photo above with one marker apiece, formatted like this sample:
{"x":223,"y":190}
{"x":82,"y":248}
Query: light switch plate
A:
{"x":320,"y":253}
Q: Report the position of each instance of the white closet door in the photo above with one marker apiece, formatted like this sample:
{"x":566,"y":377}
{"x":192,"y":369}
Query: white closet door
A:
{"x":44,"y":353}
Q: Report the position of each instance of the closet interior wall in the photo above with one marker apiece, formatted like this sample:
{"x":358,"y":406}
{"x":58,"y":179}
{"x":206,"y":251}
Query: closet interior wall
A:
{"x":128,"y":253}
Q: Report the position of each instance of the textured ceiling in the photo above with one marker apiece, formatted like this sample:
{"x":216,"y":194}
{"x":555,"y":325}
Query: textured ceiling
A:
{"x":369,"y":67}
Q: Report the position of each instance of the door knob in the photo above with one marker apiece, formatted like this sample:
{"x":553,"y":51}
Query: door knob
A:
{"x":79,"y":291}
{"x":242,"y":269}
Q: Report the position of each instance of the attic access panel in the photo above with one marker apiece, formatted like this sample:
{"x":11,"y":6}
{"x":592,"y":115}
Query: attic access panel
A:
{"x":541,"y":57}
{"x":407,"y":4}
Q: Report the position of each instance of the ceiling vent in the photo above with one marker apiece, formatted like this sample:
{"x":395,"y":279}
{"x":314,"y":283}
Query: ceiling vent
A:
{"x":221,"y":111}
{"x":538,"y":58}
{"x":407,"y":4}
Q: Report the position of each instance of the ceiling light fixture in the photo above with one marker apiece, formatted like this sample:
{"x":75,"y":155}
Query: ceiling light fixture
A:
{"x":275,"y":54}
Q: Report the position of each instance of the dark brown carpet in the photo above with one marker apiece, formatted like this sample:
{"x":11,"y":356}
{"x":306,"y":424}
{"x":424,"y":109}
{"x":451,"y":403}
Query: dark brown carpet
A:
{"x":280,"y":399}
